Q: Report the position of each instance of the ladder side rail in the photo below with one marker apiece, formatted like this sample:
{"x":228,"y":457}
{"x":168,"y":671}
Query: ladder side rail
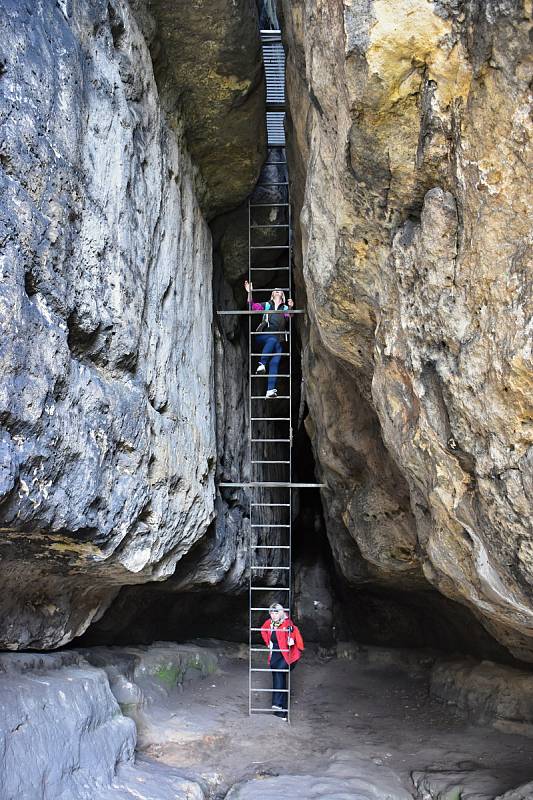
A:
{"x":290,"y":600}
{"x":250,"y":531}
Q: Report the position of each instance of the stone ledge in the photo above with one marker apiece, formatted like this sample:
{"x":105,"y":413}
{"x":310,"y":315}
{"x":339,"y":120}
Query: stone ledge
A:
{"x":488,"y":692}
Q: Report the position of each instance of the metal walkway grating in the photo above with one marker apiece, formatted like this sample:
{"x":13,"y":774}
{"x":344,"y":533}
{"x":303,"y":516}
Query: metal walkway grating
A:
{"x":274,"y":63}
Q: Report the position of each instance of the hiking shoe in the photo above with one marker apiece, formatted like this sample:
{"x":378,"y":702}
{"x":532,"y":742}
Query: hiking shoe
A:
{"x":260,"y":369}
{"x":277,"y":708}
{"x":272,"y":393}
{"x":282,"y":715}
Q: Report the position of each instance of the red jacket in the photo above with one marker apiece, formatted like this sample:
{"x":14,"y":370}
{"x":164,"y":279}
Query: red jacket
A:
{"x":286,"y":630}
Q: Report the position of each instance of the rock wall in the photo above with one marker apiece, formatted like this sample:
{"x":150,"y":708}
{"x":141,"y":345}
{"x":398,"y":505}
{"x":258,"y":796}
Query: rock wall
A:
{"x":107,"y":412}
{"x":207,"y":56}
{"x":63,"y":711}
{"x":409,"y":133}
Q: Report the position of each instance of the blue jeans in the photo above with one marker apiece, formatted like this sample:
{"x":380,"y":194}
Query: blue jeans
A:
{"x":271,"y":355}
{"x":279,"y":679}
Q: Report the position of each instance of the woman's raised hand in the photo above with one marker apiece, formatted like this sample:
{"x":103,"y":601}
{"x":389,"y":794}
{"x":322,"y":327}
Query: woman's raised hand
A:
{"x":290,"y":303}
{"x":248,"y":286}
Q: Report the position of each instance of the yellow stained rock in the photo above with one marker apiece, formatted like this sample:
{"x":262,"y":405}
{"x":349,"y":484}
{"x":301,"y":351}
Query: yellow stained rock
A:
{"x":408,"y":37}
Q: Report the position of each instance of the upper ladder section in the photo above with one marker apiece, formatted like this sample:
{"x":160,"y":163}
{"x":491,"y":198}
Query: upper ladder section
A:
{"x":274,"y":61}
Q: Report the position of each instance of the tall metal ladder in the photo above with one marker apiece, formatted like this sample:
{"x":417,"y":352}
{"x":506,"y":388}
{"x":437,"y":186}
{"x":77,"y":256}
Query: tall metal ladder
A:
{"x":270,"y":420}
{"x":270,"y":439}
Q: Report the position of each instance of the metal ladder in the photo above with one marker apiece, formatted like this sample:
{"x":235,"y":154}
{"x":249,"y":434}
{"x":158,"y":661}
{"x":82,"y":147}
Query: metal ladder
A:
{"x":270,"y":433}
{"x":270,"y":420}
{"x":270,"y":441}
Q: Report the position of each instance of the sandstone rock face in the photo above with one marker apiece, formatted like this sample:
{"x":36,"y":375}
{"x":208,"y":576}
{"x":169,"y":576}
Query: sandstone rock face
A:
{"x":61,"y":710}
{"x":489,"y":693}
{"x":347,"y":776}
{"x":107,"y":412}
{"x":409,"y":133}
{"x":208,"y":57}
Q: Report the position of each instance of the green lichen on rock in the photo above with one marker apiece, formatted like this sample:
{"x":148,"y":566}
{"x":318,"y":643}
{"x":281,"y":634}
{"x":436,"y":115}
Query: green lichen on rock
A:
{"x":170,"y":664}
{"x":169,"y":674}
{"x":454,"y":794}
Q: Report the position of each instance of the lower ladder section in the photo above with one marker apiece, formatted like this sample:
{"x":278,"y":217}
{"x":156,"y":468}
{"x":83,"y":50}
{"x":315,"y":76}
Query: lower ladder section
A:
{"x":270,"y":582}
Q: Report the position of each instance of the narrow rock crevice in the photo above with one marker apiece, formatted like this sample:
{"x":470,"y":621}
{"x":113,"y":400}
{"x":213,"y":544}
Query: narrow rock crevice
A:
{"x":132,"y":138}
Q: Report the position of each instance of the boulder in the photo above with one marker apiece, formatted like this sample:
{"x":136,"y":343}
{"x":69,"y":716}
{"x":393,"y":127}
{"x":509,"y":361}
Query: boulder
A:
{"x":408,"y":152}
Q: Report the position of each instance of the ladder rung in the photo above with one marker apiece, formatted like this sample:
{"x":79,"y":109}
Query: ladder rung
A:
{"x":271,"y":485}
{"x":264,"y":710}
{"x":272,"y":547}
{"x":258,"y":630}
{"x":266,"y":669}
{"x":281,"y":289}
{"x":270,"y":589}
{"x":256,"y":566}
{"x":263,"y":397}
{"x":275,"y":183}
{"x":270,"y":440}
{"x":261,"y":608}
{"x":274,"y":505}
{"x":279,"y":355}
{"x":268,"y":269}
{"x":267,"y":461}
{"x":235,"y":312}
{"x":270,"y":525}
{"x":269,"y":205}
{"x":266,"y":375}
{"x":269,"y":690}
{"x":269,"y":247}
{"x":270,"y":419}
{"x":277,"y":225}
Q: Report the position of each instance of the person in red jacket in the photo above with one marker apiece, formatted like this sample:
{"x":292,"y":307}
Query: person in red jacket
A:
{"x":285,"y":643}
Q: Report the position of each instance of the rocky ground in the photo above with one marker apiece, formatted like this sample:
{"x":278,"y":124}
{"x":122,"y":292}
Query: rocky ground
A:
{"x":170,"y":722}
{"x":358,"y":730}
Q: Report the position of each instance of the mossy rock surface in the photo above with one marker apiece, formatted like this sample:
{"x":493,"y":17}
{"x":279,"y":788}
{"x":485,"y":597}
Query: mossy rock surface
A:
{"x":171,"y":664}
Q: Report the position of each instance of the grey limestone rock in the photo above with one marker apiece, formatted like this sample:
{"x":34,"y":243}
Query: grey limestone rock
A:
{"x":106,"y":391}
{"x":63,"y":736}
{"x":347,"y":777}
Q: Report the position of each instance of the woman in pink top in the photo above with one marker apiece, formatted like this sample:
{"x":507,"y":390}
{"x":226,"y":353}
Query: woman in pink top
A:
{"x":269,"y":339}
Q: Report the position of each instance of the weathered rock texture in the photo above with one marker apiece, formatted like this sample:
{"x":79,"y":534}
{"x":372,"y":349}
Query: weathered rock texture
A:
{"x":409,"y":137}
{"x":107,"y":413}
{"x":147,"y":683}
{"x":489,"y":693}
{"x":61,"y":710}
{"x":208,"y":59}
